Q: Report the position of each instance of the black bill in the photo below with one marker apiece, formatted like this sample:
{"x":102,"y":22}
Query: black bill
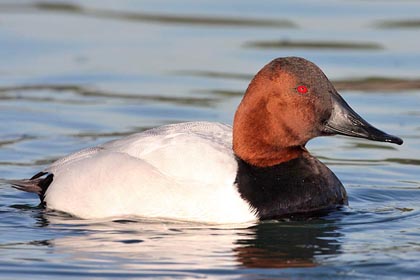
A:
{"x":345,"y":121}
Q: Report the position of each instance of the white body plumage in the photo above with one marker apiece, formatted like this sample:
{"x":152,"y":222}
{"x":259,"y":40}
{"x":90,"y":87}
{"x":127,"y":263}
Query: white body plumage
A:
{"x":181,"y":171}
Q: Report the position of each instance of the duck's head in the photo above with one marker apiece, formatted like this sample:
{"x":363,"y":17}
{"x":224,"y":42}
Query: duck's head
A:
{"x":289,"y":102}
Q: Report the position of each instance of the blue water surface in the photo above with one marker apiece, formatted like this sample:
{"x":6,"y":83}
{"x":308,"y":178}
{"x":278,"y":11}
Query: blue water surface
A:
{"x":78,"y":73}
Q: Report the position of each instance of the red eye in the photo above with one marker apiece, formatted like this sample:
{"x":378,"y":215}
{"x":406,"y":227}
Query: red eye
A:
{"x":302,"y":89}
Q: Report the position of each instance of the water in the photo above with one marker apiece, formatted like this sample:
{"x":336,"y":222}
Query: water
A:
{"x":76,"y":74}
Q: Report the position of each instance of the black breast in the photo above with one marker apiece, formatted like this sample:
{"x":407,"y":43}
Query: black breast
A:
{"x":301,"y":185}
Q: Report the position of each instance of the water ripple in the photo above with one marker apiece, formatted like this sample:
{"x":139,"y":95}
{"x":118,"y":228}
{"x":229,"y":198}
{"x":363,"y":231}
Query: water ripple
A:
{"x":189,"y":20}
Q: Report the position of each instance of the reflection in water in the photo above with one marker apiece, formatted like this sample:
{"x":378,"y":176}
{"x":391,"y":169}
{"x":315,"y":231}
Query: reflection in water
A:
{"x":284,"y":245}
{"x":136,"y":244}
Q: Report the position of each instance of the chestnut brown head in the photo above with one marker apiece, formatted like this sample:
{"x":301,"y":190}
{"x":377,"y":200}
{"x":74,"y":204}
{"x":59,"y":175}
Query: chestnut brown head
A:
{"x":289,"y":102}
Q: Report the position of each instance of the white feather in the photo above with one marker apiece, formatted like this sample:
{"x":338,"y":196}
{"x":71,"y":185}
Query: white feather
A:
{"x":183,"y":171}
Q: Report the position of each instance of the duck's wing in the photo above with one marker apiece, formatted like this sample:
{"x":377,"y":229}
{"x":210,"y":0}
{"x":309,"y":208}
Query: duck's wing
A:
{"x":194,"y":150}
{"x":200,"y":151}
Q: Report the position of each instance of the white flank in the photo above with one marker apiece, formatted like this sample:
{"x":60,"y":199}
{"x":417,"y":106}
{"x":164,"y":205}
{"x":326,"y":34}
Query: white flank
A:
{"x":183,"y":171}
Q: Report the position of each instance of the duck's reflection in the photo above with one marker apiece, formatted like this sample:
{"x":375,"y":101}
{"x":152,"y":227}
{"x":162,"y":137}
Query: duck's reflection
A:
{"x":140,"y":244}
{"x":288,"y":244}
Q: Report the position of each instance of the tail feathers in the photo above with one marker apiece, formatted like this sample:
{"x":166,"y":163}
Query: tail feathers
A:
{"x":27,"y":185}
{"x":37,"y":184}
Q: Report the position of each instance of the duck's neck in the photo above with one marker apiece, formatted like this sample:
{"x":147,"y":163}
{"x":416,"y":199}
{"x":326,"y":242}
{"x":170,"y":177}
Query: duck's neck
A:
{"x":262,"y":155}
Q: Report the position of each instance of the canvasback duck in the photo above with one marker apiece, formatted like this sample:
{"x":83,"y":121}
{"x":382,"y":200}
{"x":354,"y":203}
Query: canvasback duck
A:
{"x":209,"y":172}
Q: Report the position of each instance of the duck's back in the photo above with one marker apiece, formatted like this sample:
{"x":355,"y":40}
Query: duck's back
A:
{"x":182,"y":171}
